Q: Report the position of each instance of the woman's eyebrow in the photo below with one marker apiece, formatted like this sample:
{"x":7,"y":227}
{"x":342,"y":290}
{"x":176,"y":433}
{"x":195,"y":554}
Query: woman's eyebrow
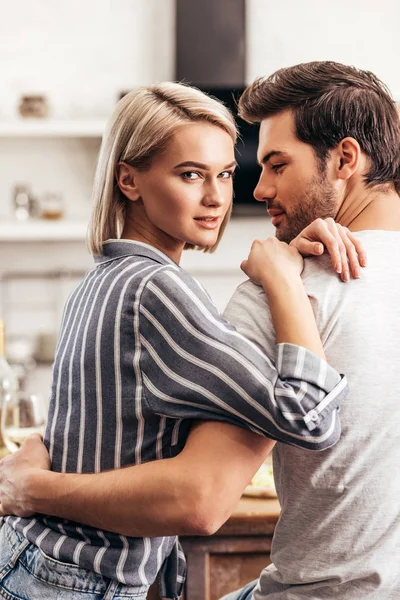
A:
{"x":198,"y":165}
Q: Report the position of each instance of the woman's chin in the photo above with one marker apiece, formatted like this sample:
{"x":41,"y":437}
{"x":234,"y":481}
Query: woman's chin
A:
{"x":202,"y":243}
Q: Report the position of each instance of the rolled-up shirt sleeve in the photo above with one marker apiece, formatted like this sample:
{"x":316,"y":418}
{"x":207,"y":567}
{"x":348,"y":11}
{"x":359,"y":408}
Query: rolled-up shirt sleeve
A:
{"x":196,"y":365}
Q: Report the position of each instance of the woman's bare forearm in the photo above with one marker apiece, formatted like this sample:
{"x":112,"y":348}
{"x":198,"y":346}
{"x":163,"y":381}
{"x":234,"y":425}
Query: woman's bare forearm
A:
{"x":292,"y":315}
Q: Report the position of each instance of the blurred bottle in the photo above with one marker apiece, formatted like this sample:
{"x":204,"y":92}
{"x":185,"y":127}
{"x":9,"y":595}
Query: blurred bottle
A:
{"x":8,"y":379}
{"x":21,"y":201}
{"x":52,"y":206}
{"x":25,"y":204}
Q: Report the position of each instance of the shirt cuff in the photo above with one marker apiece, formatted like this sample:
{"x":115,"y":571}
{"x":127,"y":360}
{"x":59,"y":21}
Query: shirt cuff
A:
{"x":297,"y":363}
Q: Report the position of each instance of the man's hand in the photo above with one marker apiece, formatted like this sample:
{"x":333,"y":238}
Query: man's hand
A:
{"x":15,"y":473}
{"x":345,"y":249}
{"x":269,"y":259}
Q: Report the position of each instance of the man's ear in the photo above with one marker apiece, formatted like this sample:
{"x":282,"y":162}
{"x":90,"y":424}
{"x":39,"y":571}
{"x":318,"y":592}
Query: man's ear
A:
{"x":126,"y":180}
{"x":348,"y":154}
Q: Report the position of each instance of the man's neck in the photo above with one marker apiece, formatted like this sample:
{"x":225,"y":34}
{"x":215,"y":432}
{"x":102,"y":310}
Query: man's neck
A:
{"x":370,"y":208}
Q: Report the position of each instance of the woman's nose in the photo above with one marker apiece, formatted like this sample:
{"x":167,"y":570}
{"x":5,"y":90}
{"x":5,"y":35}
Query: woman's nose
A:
{"x":213,"y":196}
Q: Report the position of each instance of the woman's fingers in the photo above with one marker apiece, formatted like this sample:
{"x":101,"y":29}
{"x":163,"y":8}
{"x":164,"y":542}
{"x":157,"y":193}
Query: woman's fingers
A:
{"x":355,"y":254}
{"x":307,"y":247}
{"x":345,"y":249}
{"x":351,"y":253}
{"x":243,"y":265}
{"x":337,"y":232}
{"x":361,"y":254}
{"x":317,"y":236}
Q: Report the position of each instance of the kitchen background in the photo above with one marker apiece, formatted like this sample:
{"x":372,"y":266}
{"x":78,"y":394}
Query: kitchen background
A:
{"x":80,"y":55}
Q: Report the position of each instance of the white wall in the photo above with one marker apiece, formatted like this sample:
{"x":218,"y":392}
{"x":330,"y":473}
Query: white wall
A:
{"x":364,"y":33}
{"x":81,"y":53}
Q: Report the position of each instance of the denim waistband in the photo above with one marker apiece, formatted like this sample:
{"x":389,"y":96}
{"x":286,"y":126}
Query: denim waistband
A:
{"x":69,"y":576}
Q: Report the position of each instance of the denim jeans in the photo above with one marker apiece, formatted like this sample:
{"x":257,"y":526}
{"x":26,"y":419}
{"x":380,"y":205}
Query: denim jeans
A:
{"x":28,"y":574}
{"x":245,"y":593}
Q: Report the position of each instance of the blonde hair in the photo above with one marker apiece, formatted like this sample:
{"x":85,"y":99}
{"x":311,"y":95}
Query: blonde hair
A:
{"x":140,"y":128}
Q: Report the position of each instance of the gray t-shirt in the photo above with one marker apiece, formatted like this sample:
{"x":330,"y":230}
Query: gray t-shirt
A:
{"x":338,"y":536}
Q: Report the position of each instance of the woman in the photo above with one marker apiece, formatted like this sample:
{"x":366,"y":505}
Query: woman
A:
{"x":143,"y":352}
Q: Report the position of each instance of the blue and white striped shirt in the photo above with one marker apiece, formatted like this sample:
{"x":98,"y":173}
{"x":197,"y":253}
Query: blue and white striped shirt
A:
{"x":142,"y":352}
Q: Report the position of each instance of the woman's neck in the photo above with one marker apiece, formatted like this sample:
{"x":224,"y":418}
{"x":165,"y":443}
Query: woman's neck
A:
{"x":141,"y":230}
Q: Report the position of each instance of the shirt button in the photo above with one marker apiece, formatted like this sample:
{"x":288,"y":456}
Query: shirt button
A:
{"x":314,"y":416}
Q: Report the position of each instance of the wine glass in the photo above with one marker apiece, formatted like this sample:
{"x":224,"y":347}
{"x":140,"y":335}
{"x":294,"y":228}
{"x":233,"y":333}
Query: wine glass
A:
{"x":22,"y":415}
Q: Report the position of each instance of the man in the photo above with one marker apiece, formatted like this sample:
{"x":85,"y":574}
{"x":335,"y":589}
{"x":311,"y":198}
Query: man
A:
{"x":329,"y":147}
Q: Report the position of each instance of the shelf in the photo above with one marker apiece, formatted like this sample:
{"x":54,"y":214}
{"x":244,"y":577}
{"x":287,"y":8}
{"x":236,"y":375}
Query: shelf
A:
{"x":42,"y":231}
{"x":85,"y":128}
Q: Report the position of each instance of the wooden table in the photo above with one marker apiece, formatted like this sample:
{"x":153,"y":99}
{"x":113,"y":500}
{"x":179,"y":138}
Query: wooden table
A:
{"x":233,"y":556}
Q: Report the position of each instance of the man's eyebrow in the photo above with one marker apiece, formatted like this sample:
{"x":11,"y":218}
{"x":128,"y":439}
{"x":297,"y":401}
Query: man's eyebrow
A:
{"x":198,"y":165}
{"x":269,"y":155}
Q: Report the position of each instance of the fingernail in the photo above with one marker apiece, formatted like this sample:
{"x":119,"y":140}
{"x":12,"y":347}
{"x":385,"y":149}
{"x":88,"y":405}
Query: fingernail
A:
{"x":338,"y":268}
{"x":319,"y":248}
{"x":357,"y":273}
{"x":346,"y":276}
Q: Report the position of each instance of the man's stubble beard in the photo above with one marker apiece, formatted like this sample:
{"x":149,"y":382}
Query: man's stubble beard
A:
{"x":317,"y":202}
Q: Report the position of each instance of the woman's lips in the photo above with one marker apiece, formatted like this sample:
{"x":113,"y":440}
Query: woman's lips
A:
{"x":208,"y":222}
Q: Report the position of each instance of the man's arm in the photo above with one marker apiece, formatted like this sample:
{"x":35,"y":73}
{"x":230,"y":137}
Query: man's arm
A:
{"x":191,"y":494}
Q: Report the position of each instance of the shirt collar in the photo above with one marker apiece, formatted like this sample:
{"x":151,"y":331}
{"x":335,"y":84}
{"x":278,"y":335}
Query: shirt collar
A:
{"x":113,"y":249}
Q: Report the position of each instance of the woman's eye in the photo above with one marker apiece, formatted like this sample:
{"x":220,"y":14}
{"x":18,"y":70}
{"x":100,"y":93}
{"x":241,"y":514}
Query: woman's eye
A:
{"x":226,"y":174}
{"x":277,"y":167}
{"x":190,"y":175}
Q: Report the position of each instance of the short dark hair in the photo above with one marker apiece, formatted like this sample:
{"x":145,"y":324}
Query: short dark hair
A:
{"x":331,"y":101}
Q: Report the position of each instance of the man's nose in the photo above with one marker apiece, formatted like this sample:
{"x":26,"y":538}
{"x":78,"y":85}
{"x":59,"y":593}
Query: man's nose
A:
{"x":264,"y":190}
